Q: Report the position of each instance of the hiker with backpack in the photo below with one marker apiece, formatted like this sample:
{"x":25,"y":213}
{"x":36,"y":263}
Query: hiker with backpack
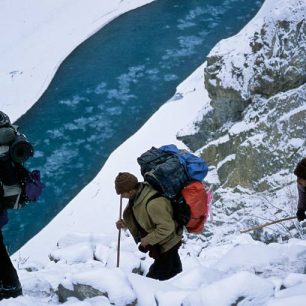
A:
{"x":18,"y":186}
{"x":149,"y":218}
{"x":9,"y":281}
{"x":300,"y":172}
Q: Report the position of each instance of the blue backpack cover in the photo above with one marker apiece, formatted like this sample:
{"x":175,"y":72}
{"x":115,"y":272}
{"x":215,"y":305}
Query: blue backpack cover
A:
{"x":195,"y":167}
{"x":169,"y":169}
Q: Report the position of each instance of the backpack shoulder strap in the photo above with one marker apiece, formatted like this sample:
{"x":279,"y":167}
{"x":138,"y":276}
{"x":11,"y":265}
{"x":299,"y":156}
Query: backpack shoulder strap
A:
{"x":154,"y":196}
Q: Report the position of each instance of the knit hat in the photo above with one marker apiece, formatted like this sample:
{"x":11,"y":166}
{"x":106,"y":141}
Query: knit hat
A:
{"x":125,"y":182}
{"x":300,"y":170}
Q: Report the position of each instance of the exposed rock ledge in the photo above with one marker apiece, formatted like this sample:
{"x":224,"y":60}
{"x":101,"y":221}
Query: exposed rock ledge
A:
{"x":267,"y":57}
{"x":256,"y":82}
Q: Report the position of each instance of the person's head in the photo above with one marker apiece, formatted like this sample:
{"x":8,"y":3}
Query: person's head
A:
{"x":300,"y":172}
{"x":126,"y":184}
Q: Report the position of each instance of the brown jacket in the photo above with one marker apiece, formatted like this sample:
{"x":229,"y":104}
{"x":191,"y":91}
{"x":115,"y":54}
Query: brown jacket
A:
{"x":154,"y":217}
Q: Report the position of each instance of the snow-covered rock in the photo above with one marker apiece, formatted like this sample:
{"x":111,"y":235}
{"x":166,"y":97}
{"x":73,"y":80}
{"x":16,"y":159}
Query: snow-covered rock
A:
{"x":226,"y":274}
{"x":265,"y":58}
{"x":254,"y":133}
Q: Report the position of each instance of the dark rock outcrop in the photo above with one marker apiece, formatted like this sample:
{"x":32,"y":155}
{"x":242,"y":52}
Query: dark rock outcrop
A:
{"x":266,"y":58}
{"x":256,"y":82}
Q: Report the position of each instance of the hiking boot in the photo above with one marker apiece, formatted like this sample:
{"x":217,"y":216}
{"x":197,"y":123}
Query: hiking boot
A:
{"x":10,"y":292}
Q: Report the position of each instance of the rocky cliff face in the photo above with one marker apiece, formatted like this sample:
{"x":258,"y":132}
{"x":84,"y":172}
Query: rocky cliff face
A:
{"x":270,"y":138}
{"x":256,"y":80}
{"x":255,"y":133}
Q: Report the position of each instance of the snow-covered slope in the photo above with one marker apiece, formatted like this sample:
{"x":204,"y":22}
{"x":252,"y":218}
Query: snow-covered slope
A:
{"x":221,"y":268}
{"x":82,"y":267}
{"x":254,"y":134}
{"x":96,"y":207}
{"x":36,"y":36}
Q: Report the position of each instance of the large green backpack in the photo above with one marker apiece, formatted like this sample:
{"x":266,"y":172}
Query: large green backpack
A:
{"x":14,"y":150}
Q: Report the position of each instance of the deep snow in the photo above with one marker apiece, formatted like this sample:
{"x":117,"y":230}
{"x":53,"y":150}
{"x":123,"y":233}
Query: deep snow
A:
{"x":81,"y":240}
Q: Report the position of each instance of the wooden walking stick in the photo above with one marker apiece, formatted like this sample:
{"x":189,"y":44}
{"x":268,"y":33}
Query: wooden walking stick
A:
{"x":266,"y":224}
{"x":119,"y":234}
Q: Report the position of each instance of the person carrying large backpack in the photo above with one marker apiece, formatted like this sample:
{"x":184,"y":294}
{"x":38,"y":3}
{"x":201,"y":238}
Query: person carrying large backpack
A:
{"x":149,"y":218}
{"x":18,"y":186}
{"x":300,"y":172}
{"x":9,"y":281}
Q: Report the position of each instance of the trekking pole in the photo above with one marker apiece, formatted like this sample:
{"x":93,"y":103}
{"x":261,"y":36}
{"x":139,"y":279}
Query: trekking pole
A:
{"x":210,"y":196}
{"x":266,"y":224}
{"x":119,"y":234}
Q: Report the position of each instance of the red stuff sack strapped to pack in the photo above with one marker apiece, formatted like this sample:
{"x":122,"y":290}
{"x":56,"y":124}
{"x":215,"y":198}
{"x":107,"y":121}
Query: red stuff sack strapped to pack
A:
{"x":198,"y":200}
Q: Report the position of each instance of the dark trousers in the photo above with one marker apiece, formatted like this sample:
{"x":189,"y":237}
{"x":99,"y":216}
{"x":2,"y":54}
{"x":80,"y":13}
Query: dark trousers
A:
{"x":166,"y":265}
{"x":8,"y":276}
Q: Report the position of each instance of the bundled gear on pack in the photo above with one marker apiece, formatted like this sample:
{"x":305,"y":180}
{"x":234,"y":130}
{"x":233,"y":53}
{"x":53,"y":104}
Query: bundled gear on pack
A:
{"x":17,"y":184}
{"x":178,"y":174}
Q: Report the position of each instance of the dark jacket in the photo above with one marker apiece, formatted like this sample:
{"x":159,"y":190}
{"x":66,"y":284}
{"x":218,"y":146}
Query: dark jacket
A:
{"x":3,"y":218}
{"x":154,"y":216}
{"x":302,"y":197}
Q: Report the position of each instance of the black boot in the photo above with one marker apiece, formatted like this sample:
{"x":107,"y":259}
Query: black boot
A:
{"x":7,"y":292}
{"x":9,"y":282}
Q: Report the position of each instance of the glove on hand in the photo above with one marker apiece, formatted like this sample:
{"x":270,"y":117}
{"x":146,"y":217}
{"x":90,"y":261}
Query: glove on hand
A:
{"x":120,"y":224}
{"x":154,"y":251}
{"x":300,"y":214}
{"x":142,"y":249}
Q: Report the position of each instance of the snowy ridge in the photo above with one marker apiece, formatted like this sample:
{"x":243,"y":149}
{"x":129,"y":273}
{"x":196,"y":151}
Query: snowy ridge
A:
{"x":72,"y":260}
